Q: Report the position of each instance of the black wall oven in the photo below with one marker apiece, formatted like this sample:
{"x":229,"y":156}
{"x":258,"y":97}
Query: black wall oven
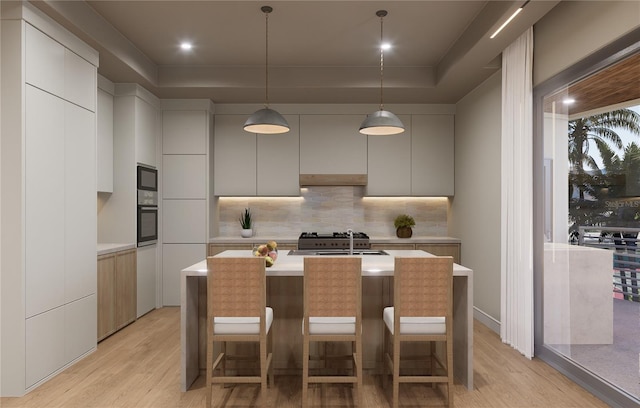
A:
{"x":147,"y":205}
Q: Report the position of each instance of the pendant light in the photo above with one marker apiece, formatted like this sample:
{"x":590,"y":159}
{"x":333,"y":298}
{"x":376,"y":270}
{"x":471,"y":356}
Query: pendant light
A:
{"x":266,"y":120}
{"x":381,"y":122}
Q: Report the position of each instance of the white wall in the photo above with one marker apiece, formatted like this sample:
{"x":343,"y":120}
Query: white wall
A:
{"x":574,"y":29}
{"x":475,"y":209}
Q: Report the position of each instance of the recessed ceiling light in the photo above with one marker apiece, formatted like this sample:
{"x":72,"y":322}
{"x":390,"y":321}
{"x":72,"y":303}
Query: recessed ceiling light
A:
{"x":568,"y":101}
{"x":186,"y":46}
{"x":385,"y":46}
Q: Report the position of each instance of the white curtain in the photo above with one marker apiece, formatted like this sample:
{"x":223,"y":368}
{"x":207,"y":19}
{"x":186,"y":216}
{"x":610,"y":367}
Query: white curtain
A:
{"x":517,"y":208}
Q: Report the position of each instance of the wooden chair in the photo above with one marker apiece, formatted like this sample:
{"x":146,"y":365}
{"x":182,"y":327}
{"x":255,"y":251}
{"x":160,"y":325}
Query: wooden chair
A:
{"x":422,"y":312}
{"x":237,"y":312}
{"x":333,"y":313}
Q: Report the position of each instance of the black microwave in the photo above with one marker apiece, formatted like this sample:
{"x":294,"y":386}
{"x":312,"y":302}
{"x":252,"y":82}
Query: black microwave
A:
{"x":147,"y":178}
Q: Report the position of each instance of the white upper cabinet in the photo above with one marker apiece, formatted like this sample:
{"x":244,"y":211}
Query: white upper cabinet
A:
{"x":105,"y":141}
{"x":246,"y":164}
{"x":146,"y":129}
{"x":389,"y":163}
{"x":184,"y":132}
{"x":432,"y":155}
{"x":278,"y":161}
{"x":331,"y":144}
{"x":45,"y":59}
{"x":234,"y":157}
{"x":79,"y":81}
{"x":57,"y":70}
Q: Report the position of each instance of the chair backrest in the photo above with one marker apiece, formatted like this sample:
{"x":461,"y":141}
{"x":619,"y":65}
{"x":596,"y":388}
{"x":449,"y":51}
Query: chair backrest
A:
{"x":423,"y":287}
{"x":332,"y":286}
{"x":236,"y":287}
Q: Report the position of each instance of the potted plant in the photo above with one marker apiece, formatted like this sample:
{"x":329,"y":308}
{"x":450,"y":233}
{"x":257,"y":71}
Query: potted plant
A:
{"x":403,"y":224}
{"x":247,"y":223}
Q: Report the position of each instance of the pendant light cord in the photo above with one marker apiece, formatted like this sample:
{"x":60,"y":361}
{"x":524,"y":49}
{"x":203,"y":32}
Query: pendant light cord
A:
{"x":266,"y":59}
{"x":381,"y":14}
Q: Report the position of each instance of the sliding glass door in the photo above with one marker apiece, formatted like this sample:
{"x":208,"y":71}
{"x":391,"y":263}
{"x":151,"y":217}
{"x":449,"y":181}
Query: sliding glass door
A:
{"x":588,"y":217}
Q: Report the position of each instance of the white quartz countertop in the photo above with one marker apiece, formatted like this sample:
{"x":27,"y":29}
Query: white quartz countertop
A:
{"x":293,"y":265}
{"x":109,"y":248}
{"x":374,"y":239}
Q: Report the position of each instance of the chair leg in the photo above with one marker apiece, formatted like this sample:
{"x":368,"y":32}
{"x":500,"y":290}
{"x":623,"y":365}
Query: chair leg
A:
{"x":359,"y":371}
{"x":396,"y":371}
{"x":450,"y":372}
{"x":270,"y":351}
{"x":305,"y":371}
{"x":432,"y":360}
{"x":209,"y":374}
{"x":385,"y":339}
{"x":263,"y":372}
{"x":223,"y":362}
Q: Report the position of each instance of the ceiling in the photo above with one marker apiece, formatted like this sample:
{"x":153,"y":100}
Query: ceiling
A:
{"x":319,"y":51}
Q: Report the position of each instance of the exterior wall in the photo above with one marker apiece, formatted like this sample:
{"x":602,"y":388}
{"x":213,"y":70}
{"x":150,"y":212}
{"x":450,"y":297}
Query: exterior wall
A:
{"x":475,"y":209}
{"x":562,"y":38}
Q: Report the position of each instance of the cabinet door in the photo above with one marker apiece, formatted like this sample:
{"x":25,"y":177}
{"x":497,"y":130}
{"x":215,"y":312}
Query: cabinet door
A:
{"x":45,"y":201}
{"x":146,"y":279}
{"x":104,"y":117}
{"x":126,"y":289}
{"x":80,"y":84}
{"x":80,"y":231}
{"x":278,"y":162}
{"x":184,"y":221}
{"x":442,"y":250}
{"x":44,"y":345}
{"x":432,"y":155}
{"x":44,"y":60}
{"x":106,"y":295}
{"x":80,"y":327}
{"x":176,"y":257}
{"x":389,"y":163}
{"x":234,"y":157}
{"x":331,"y":144}
{"x":184,"y":176}
{"x":184,"y":132}
{"x":147,"y":121}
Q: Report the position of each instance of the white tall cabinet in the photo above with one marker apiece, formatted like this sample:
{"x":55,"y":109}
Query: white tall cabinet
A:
{"x":48,"y":199}
{"x":186,"y":133}
{"x":136,"y":129}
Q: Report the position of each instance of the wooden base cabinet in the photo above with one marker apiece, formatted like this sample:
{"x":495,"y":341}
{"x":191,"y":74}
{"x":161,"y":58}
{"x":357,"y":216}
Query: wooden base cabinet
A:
{"x":440,"y":249}
{"x":117,"y":289}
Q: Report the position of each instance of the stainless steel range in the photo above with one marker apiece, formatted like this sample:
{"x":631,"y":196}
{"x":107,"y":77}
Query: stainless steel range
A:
{"x":333,"y":240}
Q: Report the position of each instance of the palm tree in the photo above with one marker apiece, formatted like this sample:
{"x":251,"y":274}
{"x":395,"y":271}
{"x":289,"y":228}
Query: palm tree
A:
{"x":586,"y":178}
{"x":598,"y":130}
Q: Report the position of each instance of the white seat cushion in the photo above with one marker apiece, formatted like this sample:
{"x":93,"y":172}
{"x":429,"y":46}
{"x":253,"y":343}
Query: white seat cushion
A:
{"x":415,"y":325}
{"x":241,"y":325}
{"x":331,"y":325}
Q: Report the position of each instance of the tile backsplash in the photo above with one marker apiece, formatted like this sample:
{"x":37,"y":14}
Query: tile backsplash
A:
{"x":327,"y":209}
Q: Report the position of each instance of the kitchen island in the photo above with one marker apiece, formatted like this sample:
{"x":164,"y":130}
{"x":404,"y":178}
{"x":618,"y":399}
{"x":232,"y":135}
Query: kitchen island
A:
{"x":284,"y":295}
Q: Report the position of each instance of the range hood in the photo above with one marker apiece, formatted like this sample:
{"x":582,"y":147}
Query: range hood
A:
{"x":333,"y":180}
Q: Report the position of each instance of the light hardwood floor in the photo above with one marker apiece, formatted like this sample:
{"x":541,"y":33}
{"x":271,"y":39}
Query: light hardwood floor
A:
{"x":140,"y":367}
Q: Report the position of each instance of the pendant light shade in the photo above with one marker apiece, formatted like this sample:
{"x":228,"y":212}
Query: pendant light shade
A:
{"x":381,"y":122}
{"x":266,"y":120}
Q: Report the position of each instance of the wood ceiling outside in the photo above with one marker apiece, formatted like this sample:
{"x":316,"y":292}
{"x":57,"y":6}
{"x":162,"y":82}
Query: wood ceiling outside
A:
{"x":611,"y":86}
